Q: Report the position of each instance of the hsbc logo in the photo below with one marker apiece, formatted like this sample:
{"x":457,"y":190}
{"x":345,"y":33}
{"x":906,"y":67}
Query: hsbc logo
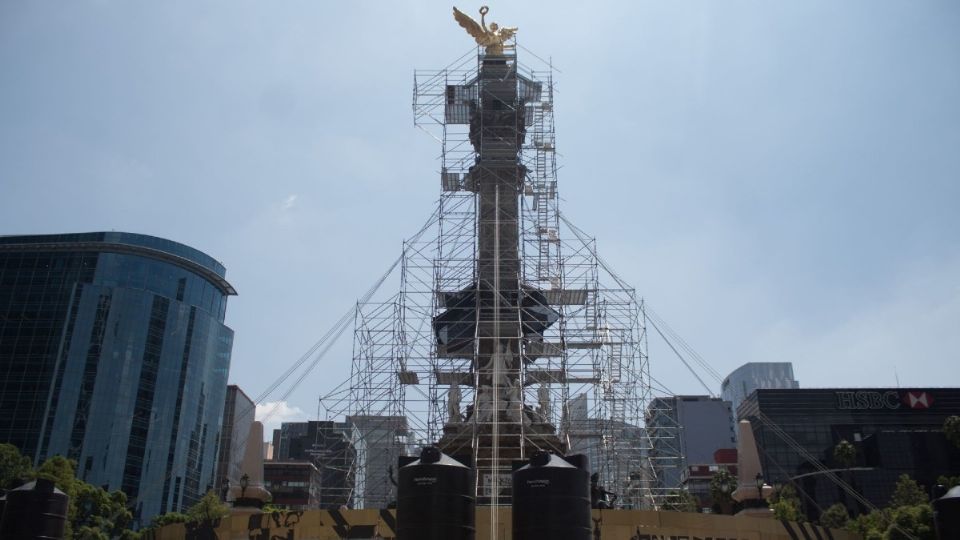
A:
{"x":889,"y":400}
{"x":918,"y":400}
{"x":864,"y":399}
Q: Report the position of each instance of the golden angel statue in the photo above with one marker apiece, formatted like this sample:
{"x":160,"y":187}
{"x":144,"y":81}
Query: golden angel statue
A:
{"x":492,"y":38}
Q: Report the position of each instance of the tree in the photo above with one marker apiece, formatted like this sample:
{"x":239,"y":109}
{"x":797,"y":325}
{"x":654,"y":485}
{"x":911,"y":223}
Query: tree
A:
{"x":871,"y":526}
{"x":100,"y":514}
{"x":908,"y":516}
{"x":14,"y":467}
{"x":948,"y":481}
{"x":907,"y":493}
{"x":208,"y":508}
{"x":835,"y":517}
{"x":92,"y":513}
{"x":167,"y":519}
{"x":722,"y":486}
{"x":845,"y":453}
{"x":951,"y":428}
{"x":911,"y":523}
{"x":786,"y":504}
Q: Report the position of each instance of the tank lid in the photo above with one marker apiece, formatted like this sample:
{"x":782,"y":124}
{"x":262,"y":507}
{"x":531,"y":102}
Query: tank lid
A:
{"x":954,"y":493}
{"x":431,"y":455}
{"x":546,"y":459}
{"x":41,"y":484}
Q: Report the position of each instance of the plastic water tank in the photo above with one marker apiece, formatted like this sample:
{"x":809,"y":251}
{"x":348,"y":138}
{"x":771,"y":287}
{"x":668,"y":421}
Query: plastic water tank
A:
{"x":946,"y":512}
{"x":435,"y":499}
{"x":551,"y":499}
{"x":34,"y":510}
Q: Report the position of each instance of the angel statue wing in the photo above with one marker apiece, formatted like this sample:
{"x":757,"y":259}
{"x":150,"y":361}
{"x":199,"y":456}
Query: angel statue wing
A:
{"x":472,"y":27}
{"x":492,"y":38}
{"x":507,"y":32}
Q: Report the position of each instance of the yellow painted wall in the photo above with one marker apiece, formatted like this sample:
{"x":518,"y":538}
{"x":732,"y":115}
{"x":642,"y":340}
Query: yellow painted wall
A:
{"x":379,"y":524}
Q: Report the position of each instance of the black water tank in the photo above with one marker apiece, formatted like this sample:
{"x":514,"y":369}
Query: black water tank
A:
{"x":435,"y":499}
{"x":946,"y":515}
{"x":551,"y":499}
{"x":35,"y":510}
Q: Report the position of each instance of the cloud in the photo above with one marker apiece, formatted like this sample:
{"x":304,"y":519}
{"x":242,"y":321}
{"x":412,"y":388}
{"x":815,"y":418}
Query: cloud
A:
{"x":274,"y":413}
{"x":289,"y":202}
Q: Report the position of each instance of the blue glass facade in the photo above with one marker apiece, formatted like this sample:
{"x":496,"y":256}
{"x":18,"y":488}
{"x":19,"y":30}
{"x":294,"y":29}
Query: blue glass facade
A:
{"x":894,"y":431}
{"x":113,"y":352}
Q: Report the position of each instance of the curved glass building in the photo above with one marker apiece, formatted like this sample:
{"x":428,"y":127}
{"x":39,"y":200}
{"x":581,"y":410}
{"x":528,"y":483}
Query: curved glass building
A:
{"x":113,"y":352}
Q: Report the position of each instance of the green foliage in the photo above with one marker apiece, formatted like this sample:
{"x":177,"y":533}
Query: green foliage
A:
{"x":722,"y":486}
{"x":168,"y":518}
{"x":896,"y":523}
{"x":62,"y":472}
{"x":951,"y":428}
{"x":907,"y":493}
{"x":208,"y":508}
{"x":835,"y":517}
{"x":786,"y":504}
{"x":845,"y":453}
{"x":100,"y":511}
{"x":908,"y":516}
{"x":787,"y":509}
{"x":911,"y":522}
{"x":948,"y":481}
{"x":680,"y":500}
{"x":870,"y":526}
{"x":14,"y":468}
{"x":92,"y":513}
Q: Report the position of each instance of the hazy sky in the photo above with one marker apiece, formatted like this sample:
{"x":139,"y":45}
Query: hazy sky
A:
{"x":779,"y":180}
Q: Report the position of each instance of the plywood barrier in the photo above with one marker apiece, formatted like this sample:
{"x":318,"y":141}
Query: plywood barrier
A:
{"x":608,"y":525}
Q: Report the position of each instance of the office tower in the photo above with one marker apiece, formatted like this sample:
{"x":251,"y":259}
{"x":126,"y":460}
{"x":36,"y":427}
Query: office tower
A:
{"x":113,"y":353}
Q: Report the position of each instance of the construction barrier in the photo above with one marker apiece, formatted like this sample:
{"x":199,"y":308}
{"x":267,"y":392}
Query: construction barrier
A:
{"x":607,"y":525}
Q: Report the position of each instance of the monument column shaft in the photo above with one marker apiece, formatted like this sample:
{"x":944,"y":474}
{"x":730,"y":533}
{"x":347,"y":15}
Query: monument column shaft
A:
{"x":498,"y":178}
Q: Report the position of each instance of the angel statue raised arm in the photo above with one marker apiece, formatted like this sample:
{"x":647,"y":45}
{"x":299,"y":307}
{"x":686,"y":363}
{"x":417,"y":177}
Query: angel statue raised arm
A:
{"x":492,"y":38}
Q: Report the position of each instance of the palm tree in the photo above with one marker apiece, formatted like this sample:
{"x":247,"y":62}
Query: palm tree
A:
{"x":722,"y":486}
{"x":845,"y":454}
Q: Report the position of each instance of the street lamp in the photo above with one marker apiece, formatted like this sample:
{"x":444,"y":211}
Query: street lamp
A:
{"x":244,"y":482}
{"x":725,"y":489}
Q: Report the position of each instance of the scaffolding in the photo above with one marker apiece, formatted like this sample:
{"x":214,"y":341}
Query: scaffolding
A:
{"x":580,"y":382}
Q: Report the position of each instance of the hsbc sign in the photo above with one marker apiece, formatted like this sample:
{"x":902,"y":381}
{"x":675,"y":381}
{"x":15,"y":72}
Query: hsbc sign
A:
{"x":865,"y":399}
{"x":889,"y":399}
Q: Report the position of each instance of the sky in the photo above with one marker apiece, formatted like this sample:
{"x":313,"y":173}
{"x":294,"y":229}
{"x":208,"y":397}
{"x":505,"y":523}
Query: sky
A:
{"x":779,"y":181}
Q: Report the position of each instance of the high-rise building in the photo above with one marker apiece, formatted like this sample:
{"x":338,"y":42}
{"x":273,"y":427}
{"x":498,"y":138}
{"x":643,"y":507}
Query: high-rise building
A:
{"x":894,"y":432}
{"x":293,"y":485}
{"x":380,"y":441}
{"x":113,"y":353}
{"x":329,"y":446}
{"x":699,"y":426}
{"x":753,"y":375}
{"x":238,"y":415}
{"x":595,"y":438}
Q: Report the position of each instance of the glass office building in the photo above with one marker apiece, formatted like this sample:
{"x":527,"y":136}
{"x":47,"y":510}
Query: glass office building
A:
{"x":753,"y":375}
{"x":113,"y":352}
{"x":895,"y":431}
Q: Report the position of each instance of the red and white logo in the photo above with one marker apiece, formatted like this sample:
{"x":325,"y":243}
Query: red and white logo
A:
{"x":918,"y":400}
